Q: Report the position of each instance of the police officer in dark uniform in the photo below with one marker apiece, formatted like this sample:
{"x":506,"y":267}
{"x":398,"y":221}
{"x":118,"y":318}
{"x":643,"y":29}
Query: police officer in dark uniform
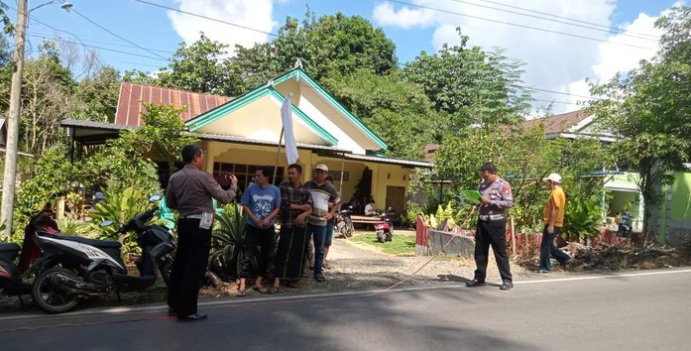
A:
{"x":491,"y":227}
{"x":190,"y":191}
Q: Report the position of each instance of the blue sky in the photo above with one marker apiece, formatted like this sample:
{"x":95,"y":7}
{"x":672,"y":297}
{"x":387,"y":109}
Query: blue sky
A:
{"x":553,"y":62}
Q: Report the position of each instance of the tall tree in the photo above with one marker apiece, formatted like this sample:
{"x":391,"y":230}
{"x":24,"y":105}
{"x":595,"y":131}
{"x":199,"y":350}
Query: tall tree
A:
{"x":201,"y":67}
{"x":650,"y":108}
{"x":98,"y":96}
{"x":331,"y":44}
{"x":397,"y":111}
{"x":472,"y":86}
{"x":47,"y":97}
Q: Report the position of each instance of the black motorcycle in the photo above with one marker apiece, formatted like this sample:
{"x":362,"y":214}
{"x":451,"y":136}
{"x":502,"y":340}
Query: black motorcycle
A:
{"x":83,"y":267}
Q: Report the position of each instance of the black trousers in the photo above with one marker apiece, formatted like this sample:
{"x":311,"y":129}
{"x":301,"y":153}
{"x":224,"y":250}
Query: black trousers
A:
{"x":491,"y":233}
{"x":292,"y":252}
{"x":259,"y":247}
{"x":189,"y":267}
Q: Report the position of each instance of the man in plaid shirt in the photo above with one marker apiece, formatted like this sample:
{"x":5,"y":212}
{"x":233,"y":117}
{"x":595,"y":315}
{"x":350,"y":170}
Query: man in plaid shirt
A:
{"x":296,"y":207}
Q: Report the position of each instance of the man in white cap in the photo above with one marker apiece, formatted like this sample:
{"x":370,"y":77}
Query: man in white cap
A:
{"x":322,"y":194}
{"x":553,"y":218}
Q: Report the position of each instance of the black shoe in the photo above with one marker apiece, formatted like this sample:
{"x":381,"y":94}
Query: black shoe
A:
{"x":171,"y":312}
{"x":475,"y":283}
{"x":320,"y":278}
{"x":508,"y":285}
{"x":193,"y":318}
{"x":566,"y":263}
{"x":543,"y":271}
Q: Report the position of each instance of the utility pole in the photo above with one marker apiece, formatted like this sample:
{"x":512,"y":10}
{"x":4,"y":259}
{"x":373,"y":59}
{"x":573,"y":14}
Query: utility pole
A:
{"x":10,"y":175}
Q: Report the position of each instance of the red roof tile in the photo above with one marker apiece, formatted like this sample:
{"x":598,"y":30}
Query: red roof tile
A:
{"x":132,"y":95}
{"x":558,"y":123}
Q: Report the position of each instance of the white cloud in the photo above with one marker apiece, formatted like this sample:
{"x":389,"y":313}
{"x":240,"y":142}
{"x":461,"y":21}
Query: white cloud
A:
{"x":386,"y":15}
{"x":553,"y":61}
{"x":255,"y":14}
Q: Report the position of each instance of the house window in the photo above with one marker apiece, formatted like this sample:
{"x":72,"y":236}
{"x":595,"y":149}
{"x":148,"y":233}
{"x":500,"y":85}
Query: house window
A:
{"x":244,"y":173}
{"x":336,"y":175}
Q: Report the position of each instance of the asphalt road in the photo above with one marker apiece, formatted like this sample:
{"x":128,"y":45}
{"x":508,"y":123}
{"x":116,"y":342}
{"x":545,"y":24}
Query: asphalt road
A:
{"x":633,"y":311}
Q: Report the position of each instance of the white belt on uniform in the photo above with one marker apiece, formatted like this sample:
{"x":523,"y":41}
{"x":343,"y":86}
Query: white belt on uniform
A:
{"x":491,"y":217}
{"x":196,"y":216}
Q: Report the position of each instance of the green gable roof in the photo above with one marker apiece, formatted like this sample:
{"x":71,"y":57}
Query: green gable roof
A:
{"x":299,"y":74}
{"x":246,"y":99}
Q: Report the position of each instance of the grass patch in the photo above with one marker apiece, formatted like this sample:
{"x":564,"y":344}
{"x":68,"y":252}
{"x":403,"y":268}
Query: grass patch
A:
{"x":400,"y":244}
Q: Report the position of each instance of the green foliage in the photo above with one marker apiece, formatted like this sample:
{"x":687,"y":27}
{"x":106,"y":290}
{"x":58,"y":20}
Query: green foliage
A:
{"x":159,"y":136}
{"x":47,"y":98}
{"x":228,"y":240}
{"x":202,"y":67}
{"x":650,"y":109}
{"x":331,"y":44}
{"x":582,"y":220}
{"x":119,"y":208}
{"x":397,"y":111}
{"x":49,"y":176}
{"x":471,"y":86}
{"x":98,"y":96}
{"x":524,"y":158}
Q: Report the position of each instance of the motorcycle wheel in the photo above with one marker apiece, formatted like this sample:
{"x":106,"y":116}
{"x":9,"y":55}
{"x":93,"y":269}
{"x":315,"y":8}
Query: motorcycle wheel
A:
{"x":48,"y":297}
{"x":166,"y":269}
{"x":349,"y":227}
{"x":344,"y":231}
{"x":380,"y":236}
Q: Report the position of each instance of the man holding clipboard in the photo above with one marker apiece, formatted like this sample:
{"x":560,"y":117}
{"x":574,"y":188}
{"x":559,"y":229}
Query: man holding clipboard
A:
{"x":494,"y":198}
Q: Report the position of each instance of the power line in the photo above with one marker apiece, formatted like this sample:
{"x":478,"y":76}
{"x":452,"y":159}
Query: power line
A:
{"x":102,"y":42}
{"x":610,"y":30}
{"x":556,"y":102}
{"x":559,"y":92}
{"x":207,"y":18}
{"x":93,"y":46}
{"x":117,"y":36}
{"x":517,"y":25}
{"x":567,"y":18}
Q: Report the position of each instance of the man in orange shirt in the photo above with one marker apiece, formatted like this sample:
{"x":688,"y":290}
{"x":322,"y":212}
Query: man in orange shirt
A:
{"x":553,"y":218}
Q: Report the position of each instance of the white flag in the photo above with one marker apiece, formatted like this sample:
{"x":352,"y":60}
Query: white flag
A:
{"x":287,"y":119}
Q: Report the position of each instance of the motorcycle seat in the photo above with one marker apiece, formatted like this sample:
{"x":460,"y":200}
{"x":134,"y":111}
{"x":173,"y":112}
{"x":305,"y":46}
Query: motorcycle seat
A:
{"x":104,"y":244}
{"x":9,"y":248}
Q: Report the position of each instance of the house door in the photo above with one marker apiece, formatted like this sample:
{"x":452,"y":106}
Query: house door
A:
{"x":395,"y":198}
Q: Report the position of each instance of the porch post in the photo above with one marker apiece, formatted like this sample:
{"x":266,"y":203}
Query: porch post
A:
{"x":340,"y":187}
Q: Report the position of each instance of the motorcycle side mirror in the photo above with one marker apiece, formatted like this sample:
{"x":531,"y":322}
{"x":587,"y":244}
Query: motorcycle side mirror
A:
{"x":155,"y":198}
{"x":106,"y":223}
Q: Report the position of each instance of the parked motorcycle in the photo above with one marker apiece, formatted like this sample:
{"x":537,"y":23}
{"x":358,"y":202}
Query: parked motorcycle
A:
{"x":384,"y":229}
{"x":13,"y":277}
{"x":625,"y":224}
{"x":11,"y":282}
{"x":85,"y":267}
{"x":344,"y":224}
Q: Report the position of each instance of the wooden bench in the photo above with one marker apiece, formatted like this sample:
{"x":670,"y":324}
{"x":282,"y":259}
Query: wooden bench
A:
{"x":366,"y":220}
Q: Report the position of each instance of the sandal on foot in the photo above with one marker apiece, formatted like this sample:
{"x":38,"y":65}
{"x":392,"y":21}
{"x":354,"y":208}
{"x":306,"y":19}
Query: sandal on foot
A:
{"x":273,"y":290}
{"x":242,"y":293}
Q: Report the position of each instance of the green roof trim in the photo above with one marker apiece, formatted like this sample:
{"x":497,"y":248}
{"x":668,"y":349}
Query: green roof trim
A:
{"x":248,"y":98}
{"x":303,"y":116}
{"x":299,"y":73}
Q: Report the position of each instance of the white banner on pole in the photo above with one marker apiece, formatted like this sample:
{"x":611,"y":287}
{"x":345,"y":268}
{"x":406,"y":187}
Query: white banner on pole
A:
{"x":289,"y":137}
